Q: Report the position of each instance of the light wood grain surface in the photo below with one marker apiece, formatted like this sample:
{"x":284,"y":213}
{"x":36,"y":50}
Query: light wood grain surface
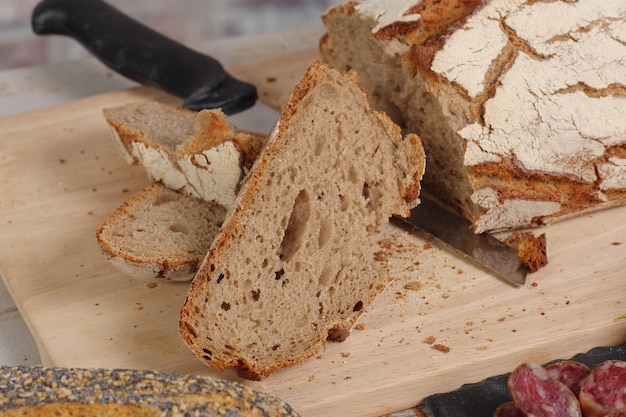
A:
{"x":60,"y":174}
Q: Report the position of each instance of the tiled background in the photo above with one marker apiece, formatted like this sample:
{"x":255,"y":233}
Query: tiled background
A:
{"x":189,"y":21}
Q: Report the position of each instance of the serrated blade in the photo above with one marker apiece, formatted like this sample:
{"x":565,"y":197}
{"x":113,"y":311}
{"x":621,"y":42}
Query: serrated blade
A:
{"x":455,"y":231}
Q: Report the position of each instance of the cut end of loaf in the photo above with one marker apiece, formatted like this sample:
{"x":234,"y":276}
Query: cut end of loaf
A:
{"x":293,"y":266}
{"x":185,"y":150}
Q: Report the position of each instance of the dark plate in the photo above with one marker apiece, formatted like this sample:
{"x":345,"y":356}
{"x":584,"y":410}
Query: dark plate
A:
{"x":482,"y":398}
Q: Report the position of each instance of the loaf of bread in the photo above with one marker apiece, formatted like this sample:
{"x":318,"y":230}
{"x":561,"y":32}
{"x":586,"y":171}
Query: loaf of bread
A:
{"x":520,"y":105}
{"x":160,"y":233}
{"x":35,"y":391}
{"x":198,"y":153}
{"x":293,"y":264}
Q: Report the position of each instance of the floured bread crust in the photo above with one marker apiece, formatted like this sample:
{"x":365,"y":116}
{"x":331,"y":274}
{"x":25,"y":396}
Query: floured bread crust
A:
{"x":519,"y":104}
{"x":160,"y":233}
{"x":200,"y":154}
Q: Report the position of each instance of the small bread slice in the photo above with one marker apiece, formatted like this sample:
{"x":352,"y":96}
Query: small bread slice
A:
{"x":293,"y":264}
{"x":160,"y":233}
{"x":198,"y":153}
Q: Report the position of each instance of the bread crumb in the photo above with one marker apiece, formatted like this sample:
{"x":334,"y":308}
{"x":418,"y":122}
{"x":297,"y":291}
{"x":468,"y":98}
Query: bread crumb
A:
{"x":414,"y":286}
{"x":359,"y":327}
{"x":531,"y":250}
{"x":429,"y":340}
{"x":151,"y":285}
{"x":345,"y":354}
{"x":616,"y":243}
{"x":441,"y":348}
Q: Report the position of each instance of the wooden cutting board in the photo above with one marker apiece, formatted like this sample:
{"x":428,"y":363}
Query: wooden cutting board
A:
{"x":442,"y":322}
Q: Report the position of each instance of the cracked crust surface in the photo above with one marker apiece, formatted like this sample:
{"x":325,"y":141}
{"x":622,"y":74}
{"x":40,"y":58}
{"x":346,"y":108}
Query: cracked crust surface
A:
{"x":518,"y":103}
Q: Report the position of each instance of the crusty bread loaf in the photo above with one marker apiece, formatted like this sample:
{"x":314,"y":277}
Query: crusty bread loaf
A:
{"x":35,"y":391}
{"x":292,"y":265}
{"x":200,"y":154}
{"x":160,"y":233}
{"x":520,"y":105}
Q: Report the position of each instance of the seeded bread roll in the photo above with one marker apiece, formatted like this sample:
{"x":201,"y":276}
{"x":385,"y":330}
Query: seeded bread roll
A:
{"x":160,"y":233}
{"x":200,"y":154}
{"x":293,"y":264}
{"x":519,"y":104}
{"x":35,"y":391}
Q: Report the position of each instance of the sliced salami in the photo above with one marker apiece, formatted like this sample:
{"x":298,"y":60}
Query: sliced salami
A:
{"x":604,"y":391}
{"x":570,"y":373}
{"x":508,"y":410}
{"x":537,"y":394}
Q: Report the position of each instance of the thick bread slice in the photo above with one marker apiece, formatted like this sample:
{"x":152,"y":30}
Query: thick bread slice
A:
{"x":200,"y":154}
{"x":292,"y":265}
{"x":36,"y":391}
{"x":519,"y":104}
{"x":160,"y":233}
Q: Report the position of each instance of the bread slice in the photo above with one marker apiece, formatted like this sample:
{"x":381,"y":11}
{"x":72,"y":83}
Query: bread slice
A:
{"x":200,"y":154}
{"x":160,"y":233}
{"x":36,"y":391}
{"x":292,"y":265}
{"x":519,"y":104}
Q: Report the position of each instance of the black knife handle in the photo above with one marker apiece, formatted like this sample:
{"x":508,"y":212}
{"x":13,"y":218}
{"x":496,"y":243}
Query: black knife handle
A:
{"x":144,"y":55}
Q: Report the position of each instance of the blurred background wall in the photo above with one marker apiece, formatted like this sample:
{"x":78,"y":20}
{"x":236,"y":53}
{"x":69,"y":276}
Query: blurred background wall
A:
{"x":189,"y":21}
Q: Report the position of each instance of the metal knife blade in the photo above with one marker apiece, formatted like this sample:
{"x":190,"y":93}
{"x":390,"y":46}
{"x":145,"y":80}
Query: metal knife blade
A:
{"x":455,"y":231}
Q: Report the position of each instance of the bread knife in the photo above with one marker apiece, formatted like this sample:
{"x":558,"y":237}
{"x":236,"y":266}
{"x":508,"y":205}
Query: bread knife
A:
{"x":148,"y":57}
{"x":144,"y":55}
{"x":456,"y":232}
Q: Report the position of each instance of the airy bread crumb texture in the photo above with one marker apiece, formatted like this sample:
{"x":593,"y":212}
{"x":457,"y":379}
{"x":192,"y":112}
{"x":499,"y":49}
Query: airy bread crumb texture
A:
{"x":293,"y":264}
{"x":160,"y":233}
